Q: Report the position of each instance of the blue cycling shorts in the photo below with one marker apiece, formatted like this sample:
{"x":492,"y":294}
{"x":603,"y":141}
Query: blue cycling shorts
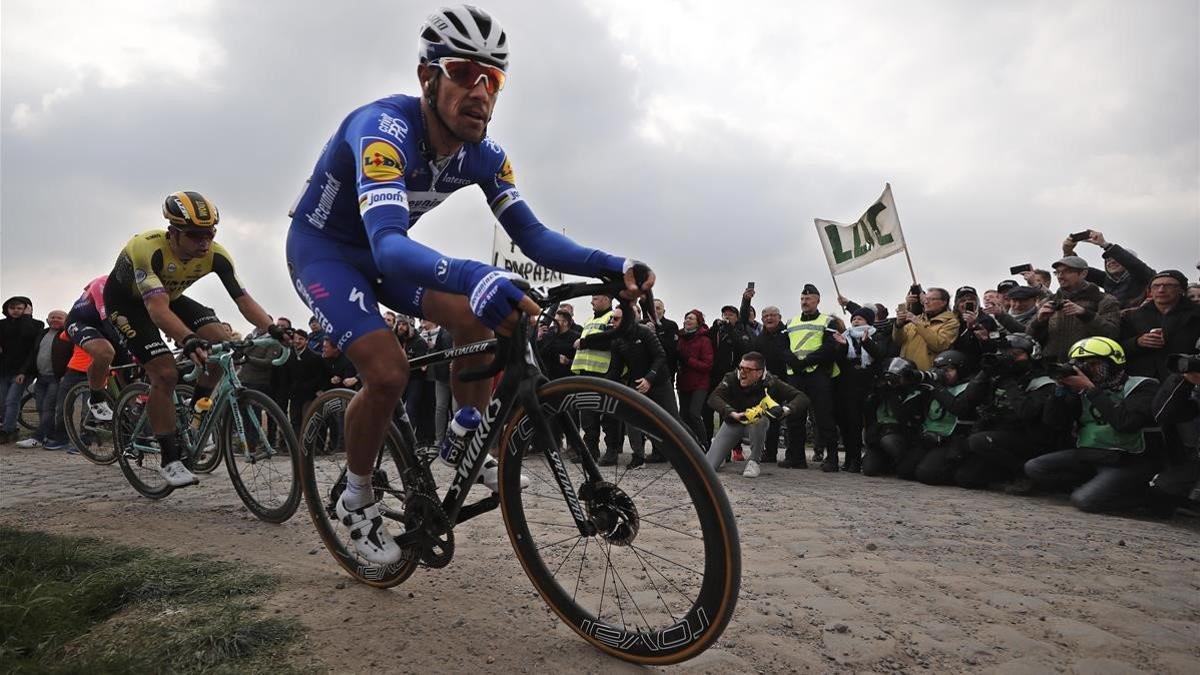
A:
{"x":343,"y":287}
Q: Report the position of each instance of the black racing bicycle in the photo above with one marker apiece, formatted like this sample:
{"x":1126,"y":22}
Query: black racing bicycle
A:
{"x":644,"y":564}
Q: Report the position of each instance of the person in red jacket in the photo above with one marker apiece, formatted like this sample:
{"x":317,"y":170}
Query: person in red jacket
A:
{"x":695,"y":363}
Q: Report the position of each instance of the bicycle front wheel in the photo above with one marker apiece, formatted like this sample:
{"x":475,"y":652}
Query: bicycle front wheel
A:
{"x":28,"y":416}
{"x":259,"y":456}
{"x":94,"y":439}
{"x":322,"y":469}
{"x":657,"y":581}
{"x":137,"y":449}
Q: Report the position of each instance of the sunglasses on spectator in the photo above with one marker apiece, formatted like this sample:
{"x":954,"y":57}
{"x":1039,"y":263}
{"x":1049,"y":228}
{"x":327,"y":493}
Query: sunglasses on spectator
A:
{"x":747,"y":369}
{"x":1165,"y":284}
{"x":467,"y":73}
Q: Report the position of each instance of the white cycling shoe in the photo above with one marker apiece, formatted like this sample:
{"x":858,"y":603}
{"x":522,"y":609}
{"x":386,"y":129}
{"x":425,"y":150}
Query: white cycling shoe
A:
{"x":178,"y":475}
{"x":490,"y":476}
{"x":101,"y":412}
{"x":371,"y":537}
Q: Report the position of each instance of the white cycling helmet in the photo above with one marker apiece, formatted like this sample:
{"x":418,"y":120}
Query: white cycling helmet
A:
{"x":465,"y":31}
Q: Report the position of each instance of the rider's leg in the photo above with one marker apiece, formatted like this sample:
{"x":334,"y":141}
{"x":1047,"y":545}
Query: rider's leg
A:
{"x":102,"y":354}
{"x":162,"y":375}
{"x":383,"y":369}
{"x":453,"y":312}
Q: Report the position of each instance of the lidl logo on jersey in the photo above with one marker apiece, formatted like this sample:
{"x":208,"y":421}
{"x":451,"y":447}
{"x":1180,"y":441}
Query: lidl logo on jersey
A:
{"x":381,"y":160}
{"x":506,"y":173}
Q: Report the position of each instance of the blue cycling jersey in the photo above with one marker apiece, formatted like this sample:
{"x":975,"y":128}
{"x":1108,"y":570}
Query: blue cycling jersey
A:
{"x":374,"y":180}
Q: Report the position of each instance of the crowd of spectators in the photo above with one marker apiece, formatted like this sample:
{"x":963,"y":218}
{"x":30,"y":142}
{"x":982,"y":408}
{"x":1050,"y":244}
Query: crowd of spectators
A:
{"x":1081,"y":379}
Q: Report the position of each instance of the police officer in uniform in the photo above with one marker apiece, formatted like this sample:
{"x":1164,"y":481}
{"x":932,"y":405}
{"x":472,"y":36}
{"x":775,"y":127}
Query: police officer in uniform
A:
{"x":812,"y":365}
{"x":594,"y":361}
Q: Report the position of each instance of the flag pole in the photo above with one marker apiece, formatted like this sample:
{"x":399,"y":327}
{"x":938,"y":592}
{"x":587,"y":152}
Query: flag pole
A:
{"x":900,"y":226}
{"x":836,"y":289}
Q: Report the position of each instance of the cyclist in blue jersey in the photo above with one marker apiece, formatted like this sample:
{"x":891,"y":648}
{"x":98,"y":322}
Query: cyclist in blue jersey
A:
{"x":388,"y":163}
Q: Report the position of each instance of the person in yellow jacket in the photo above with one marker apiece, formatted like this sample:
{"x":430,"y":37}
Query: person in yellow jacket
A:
{"x":812,"y":365}
{"x":594,"y":362}
{"x":922,"y":336}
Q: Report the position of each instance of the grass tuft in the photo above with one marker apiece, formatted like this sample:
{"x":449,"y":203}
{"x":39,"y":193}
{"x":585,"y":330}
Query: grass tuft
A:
{"x":71,"y":604}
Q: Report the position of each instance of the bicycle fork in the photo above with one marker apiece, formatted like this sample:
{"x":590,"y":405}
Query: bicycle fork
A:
{"x":527,"y":398}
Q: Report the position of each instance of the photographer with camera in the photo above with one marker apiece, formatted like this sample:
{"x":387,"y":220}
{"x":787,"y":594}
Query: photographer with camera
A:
{"x":556,"y":344}
{"x":750,"y":396}
{"x":1169,"y":324}
{"x":925,"y":327}
{"x":1177,"y":409}
{"x":730,"y":339}
{"x":1124,"y":275}
{"x":898,"y":402}
{"x":1011,"y":395}
{"x":1112,"y":463}
{"x":948,"y":422}
{"x":1078,"y":310}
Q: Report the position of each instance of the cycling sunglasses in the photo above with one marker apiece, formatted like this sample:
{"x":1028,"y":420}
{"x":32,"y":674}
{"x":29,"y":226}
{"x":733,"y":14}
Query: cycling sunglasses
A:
{"x":467,"y":73}
{"x":199,"y":235}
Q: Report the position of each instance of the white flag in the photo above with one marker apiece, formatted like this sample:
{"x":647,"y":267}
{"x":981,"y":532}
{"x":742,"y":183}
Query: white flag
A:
{"x":507,"y":256}
{"x":875,"y":236}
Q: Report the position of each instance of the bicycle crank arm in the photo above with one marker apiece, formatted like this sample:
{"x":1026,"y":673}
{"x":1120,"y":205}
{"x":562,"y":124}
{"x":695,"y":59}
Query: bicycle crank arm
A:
{"x":478,"y":508}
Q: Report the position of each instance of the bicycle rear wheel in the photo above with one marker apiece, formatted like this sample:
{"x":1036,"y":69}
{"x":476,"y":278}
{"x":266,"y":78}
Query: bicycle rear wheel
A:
{"x":322,"y":470}
{"x":658,"y":581}
{"x":260,"y":467}
{"x":137,"y":449}
{"x":94,"y":439}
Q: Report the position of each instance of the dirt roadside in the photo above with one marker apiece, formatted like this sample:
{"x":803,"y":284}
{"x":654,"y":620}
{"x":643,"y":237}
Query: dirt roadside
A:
{"x":842,"y":573}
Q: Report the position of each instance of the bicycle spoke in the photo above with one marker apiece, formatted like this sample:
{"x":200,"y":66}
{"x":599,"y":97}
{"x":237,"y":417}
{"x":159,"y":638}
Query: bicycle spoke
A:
{"x":686,"y":534}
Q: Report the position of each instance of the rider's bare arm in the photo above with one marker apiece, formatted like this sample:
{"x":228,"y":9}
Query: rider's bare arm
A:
{"x":253,"y":312}
{"x":159,"y":307}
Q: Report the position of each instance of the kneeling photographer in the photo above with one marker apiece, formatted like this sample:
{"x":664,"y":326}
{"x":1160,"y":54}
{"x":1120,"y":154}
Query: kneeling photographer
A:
{"x":948,"y":420}
{"x":1112,"y":463}
{"x":899,"y":401}
{"x":1009,"y":430}
{"x":1177,"y":409}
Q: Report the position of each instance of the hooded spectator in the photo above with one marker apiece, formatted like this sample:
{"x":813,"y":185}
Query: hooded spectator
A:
{"x":19,"y":334}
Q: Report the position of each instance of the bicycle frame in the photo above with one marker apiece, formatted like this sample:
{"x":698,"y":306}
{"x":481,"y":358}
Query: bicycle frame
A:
{"x":224,"y":395}
{"x":522,"y":375}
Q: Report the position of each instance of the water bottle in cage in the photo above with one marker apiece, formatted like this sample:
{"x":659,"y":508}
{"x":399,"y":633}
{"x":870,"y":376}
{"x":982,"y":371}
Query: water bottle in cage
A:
{"x":465,"y":421}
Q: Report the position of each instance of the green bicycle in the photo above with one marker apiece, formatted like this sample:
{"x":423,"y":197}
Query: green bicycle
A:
{"x":245,"y":427}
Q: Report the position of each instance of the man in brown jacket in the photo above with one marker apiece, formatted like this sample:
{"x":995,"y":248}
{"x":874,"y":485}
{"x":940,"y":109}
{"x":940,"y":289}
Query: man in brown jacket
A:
{"x":923,"y":336}
{"x":1079,"y":309}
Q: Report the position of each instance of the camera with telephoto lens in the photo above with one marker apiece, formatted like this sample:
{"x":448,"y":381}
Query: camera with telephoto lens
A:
{"x":994,"y":361}
{"x":1057,"y":371}
{"x":931,"y":377}
{"x":1184,"y":363}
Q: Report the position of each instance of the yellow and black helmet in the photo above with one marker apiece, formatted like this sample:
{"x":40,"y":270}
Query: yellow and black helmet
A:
{"x":1097,"y":347}
{"x":190,"y":210}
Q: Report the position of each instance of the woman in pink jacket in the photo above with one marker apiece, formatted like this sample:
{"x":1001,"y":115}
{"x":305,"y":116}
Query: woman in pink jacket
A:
{"x":695,"y":363}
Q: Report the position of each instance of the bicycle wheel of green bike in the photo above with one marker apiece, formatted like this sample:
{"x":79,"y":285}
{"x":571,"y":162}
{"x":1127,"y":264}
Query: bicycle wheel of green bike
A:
{"x":322,"y":469}
{"x":94,"y":439}
{"x":656,"y":581}
{"x":259,"y":458}
{"x":137,"y":450}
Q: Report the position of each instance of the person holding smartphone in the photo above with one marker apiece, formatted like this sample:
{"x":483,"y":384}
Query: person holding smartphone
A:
{"x":1124,"y":276}
{"x":969,"y":313}
{"x":1079,"y":309}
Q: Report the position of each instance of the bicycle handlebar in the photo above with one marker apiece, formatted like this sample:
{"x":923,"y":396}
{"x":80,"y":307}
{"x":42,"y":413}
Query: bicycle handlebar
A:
{"x":552,"y":297}
{"x":241,"y":345}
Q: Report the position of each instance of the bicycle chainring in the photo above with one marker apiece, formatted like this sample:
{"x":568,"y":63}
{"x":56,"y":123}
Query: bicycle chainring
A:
{"x":424,"y":517}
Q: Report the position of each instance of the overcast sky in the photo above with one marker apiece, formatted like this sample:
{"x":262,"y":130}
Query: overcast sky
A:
{"x":702,"y":137}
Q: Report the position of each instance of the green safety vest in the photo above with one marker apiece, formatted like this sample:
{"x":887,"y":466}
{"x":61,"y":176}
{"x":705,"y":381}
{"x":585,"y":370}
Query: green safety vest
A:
{"x":805,"y":337}
{"x":938,"y":421}
{"x":884,"y":413}
{"x":1094,"y":432}
{"x":593,"y":361}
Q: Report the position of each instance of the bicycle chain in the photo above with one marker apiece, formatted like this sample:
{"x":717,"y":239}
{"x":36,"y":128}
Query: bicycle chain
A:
{"x":426,"y":518}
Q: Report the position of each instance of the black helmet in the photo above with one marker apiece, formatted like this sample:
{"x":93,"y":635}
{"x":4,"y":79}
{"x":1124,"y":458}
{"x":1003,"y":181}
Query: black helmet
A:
{"x":897,"y":370}
{"x":950,"y":359}
{"x":1023,"y":342}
